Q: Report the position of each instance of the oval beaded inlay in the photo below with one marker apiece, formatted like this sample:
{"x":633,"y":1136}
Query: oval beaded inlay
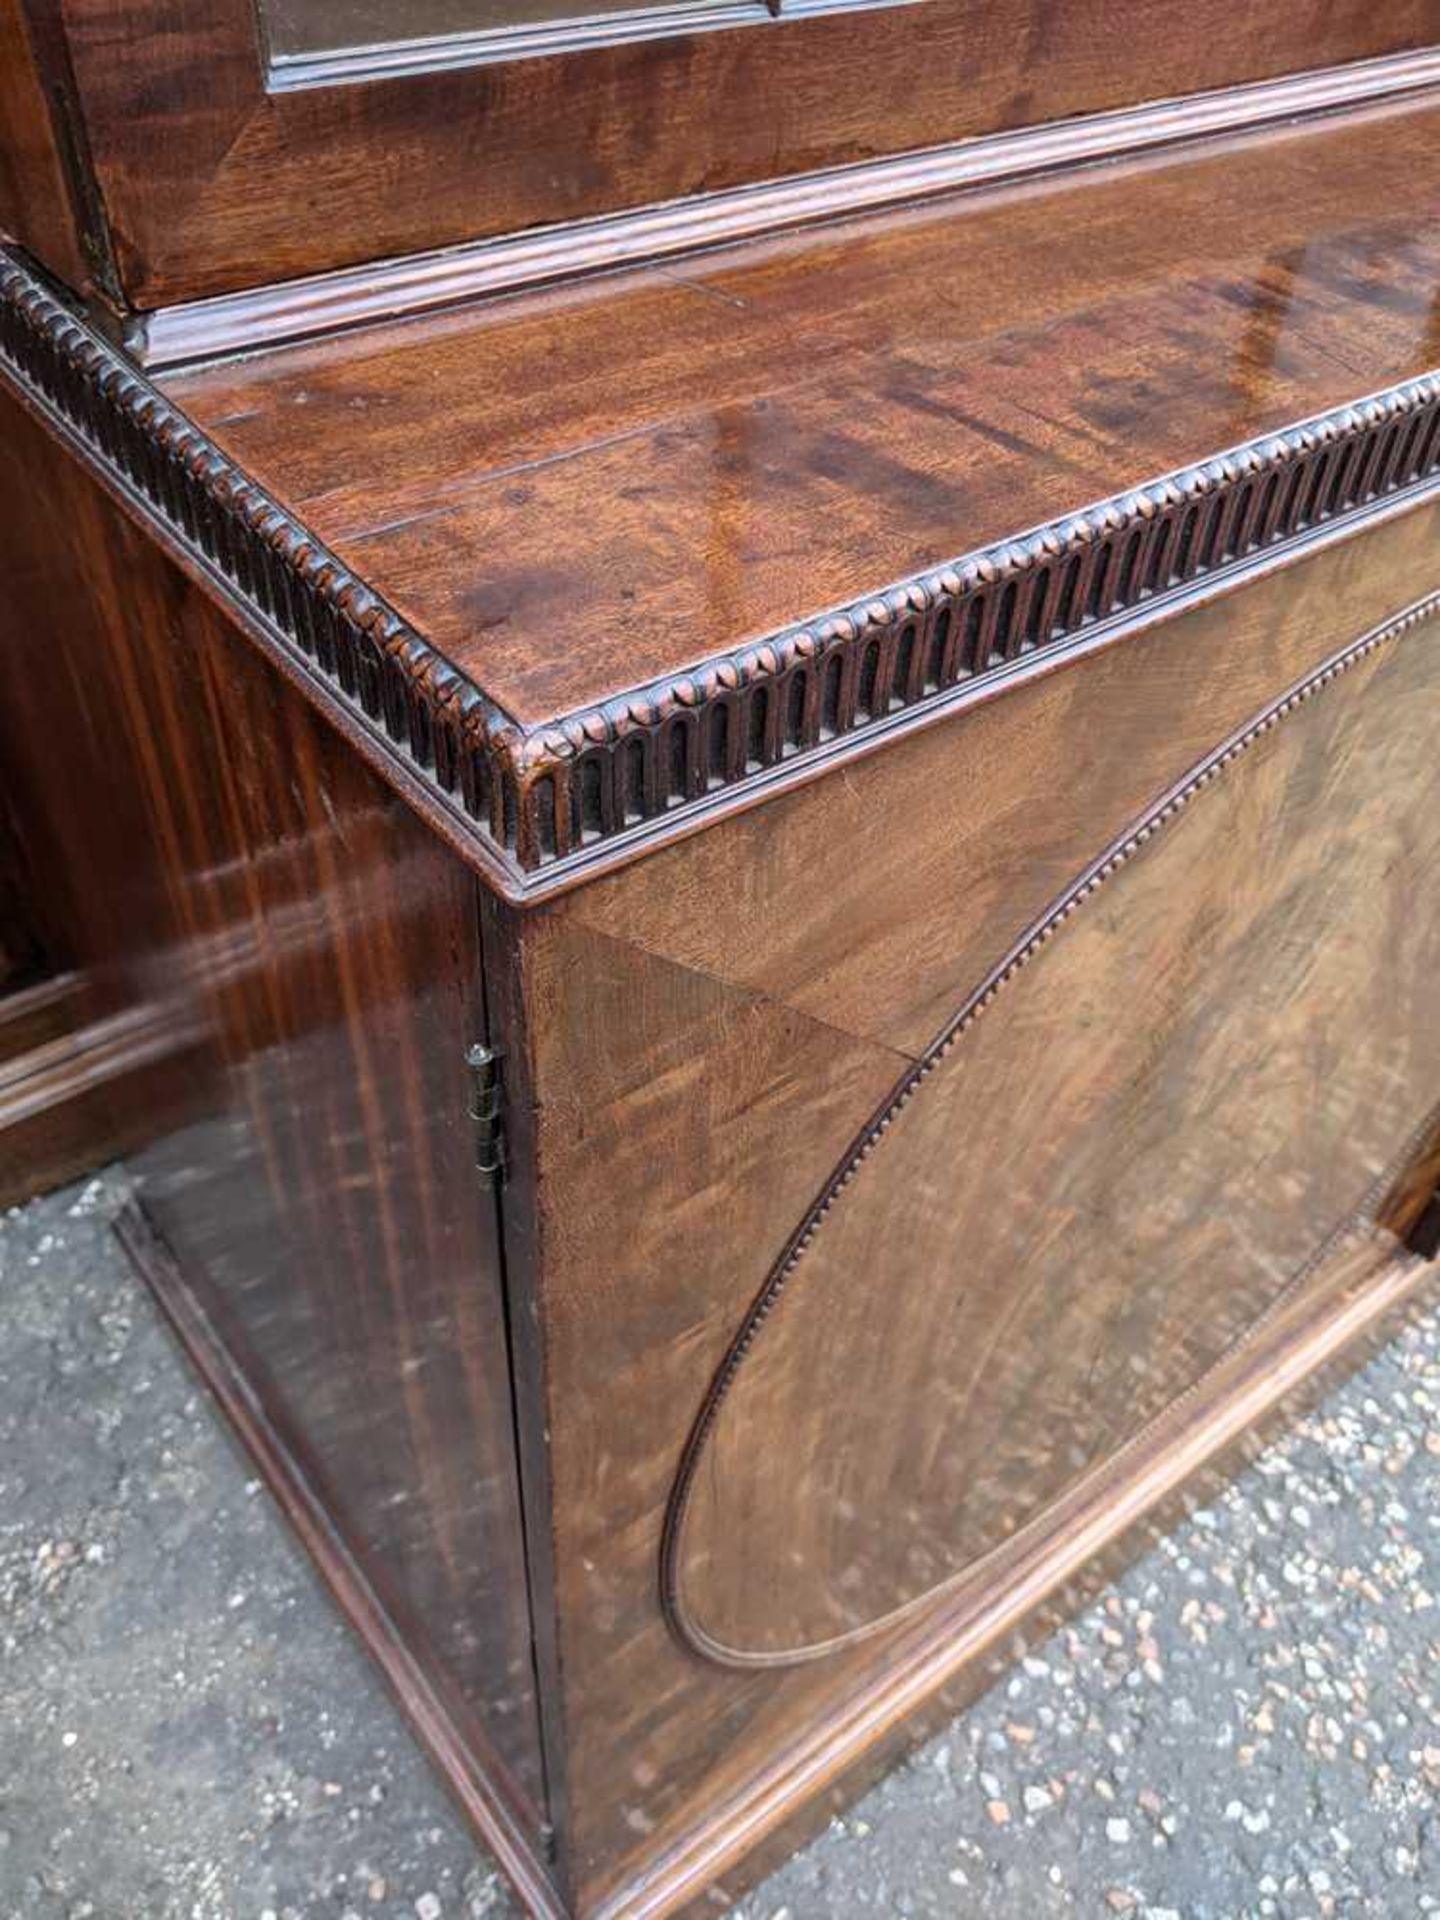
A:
{"x":1134,"y":1141}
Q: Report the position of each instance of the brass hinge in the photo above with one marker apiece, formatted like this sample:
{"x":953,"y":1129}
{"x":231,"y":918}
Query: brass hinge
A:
{"x":487,"y":1110}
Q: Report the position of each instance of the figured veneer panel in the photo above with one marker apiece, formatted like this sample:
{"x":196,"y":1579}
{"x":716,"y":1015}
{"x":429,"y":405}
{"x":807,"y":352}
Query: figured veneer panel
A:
{"x":875,"y":902}
{"x":703,"y":1107}
{"x":1215,"y":1052}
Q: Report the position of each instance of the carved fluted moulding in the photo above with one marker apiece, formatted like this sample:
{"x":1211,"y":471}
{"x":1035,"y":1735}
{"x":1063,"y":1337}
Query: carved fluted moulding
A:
{"x":580,"y":614}
{"x":738,"y":795}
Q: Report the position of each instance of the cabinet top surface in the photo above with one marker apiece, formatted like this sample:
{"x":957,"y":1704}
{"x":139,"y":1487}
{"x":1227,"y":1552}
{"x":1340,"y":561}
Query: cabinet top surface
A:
{"x":577,"y":493}
{"x":583,"y":568}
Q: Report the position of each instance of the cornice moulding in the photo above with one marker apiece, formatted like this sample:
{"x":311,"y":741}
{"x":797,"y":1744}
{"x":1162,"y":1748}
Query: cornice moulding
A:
{"x":538,"y":808}
{"x":428,"y":282}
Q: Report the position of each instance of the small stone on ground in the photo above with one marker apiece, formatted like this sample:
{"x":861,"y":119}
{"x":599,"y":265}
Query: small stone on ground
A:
{"x":1247,"y":1726}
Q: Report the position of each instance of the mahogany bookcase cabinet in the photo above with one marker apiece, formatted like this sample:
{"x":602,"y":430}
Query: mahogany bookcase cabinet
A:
{"x":724,"y":720}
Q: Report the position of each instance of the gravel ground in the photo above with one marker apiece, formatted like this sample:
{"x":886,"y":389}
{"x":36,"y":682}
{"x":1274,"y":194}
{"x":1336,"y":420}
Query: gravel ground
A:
{"x":1249,"y":1724}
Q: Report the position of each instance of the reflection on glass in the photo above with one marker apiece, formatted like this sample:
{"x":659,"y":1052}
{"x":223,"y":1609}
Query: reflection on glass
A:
{"x":305,"y":30}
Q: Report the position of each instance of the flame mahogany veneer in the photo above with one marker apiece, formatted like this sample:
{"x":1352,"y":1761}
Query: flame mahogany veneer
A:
{"x":765,"y":921}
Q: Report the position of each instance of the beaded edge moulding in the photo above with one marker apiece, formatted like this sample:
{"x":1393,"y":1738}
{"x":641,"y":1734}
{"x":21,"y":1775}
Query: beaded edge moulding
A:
{"x":534,"y":797}
{"x":788,"y":1270}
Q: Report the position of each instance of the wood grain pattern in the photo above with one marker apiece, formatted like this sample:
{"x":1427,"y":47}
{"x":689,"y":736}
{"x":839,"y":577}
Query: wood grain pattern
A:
{"x":23,"y":959}
{"x":670,"y":1019}
{"x":46,"y":1008}
{"x":212,"y":182}
{"x":79,"y":1093}
{"x":305,"y":608}
{"x":551,"y":789}
{"x":664,"y":470}
{"x":942,"y":1665}
{"x":773,"y":498}
{"x":916,"y":870}
{"x":215,"y":852}
{"x":344,"y":688}
{"x":1212,"y":1057}
{"x":467,"y":1773}
{"x":536,"y":795}
{"x":411,"y":284}
{"x":35,"y":193}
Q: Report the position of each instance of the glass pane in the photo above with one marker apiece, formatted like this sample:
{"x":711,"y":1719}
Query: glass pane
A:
{"x":305,"y":30}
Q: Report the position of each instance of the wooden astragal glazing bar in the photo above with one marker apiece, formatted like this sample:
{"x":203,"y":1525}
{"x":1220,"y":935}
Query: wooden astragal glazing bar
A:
{"x":737,"y":829}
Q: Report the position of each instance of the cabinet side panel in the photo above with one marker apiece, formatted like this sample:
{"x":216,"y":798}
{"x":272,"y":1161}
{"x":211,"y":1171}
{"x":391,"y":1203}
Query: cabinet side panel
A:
{"x":712,"y":1029}
{"x":213,"y":854}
